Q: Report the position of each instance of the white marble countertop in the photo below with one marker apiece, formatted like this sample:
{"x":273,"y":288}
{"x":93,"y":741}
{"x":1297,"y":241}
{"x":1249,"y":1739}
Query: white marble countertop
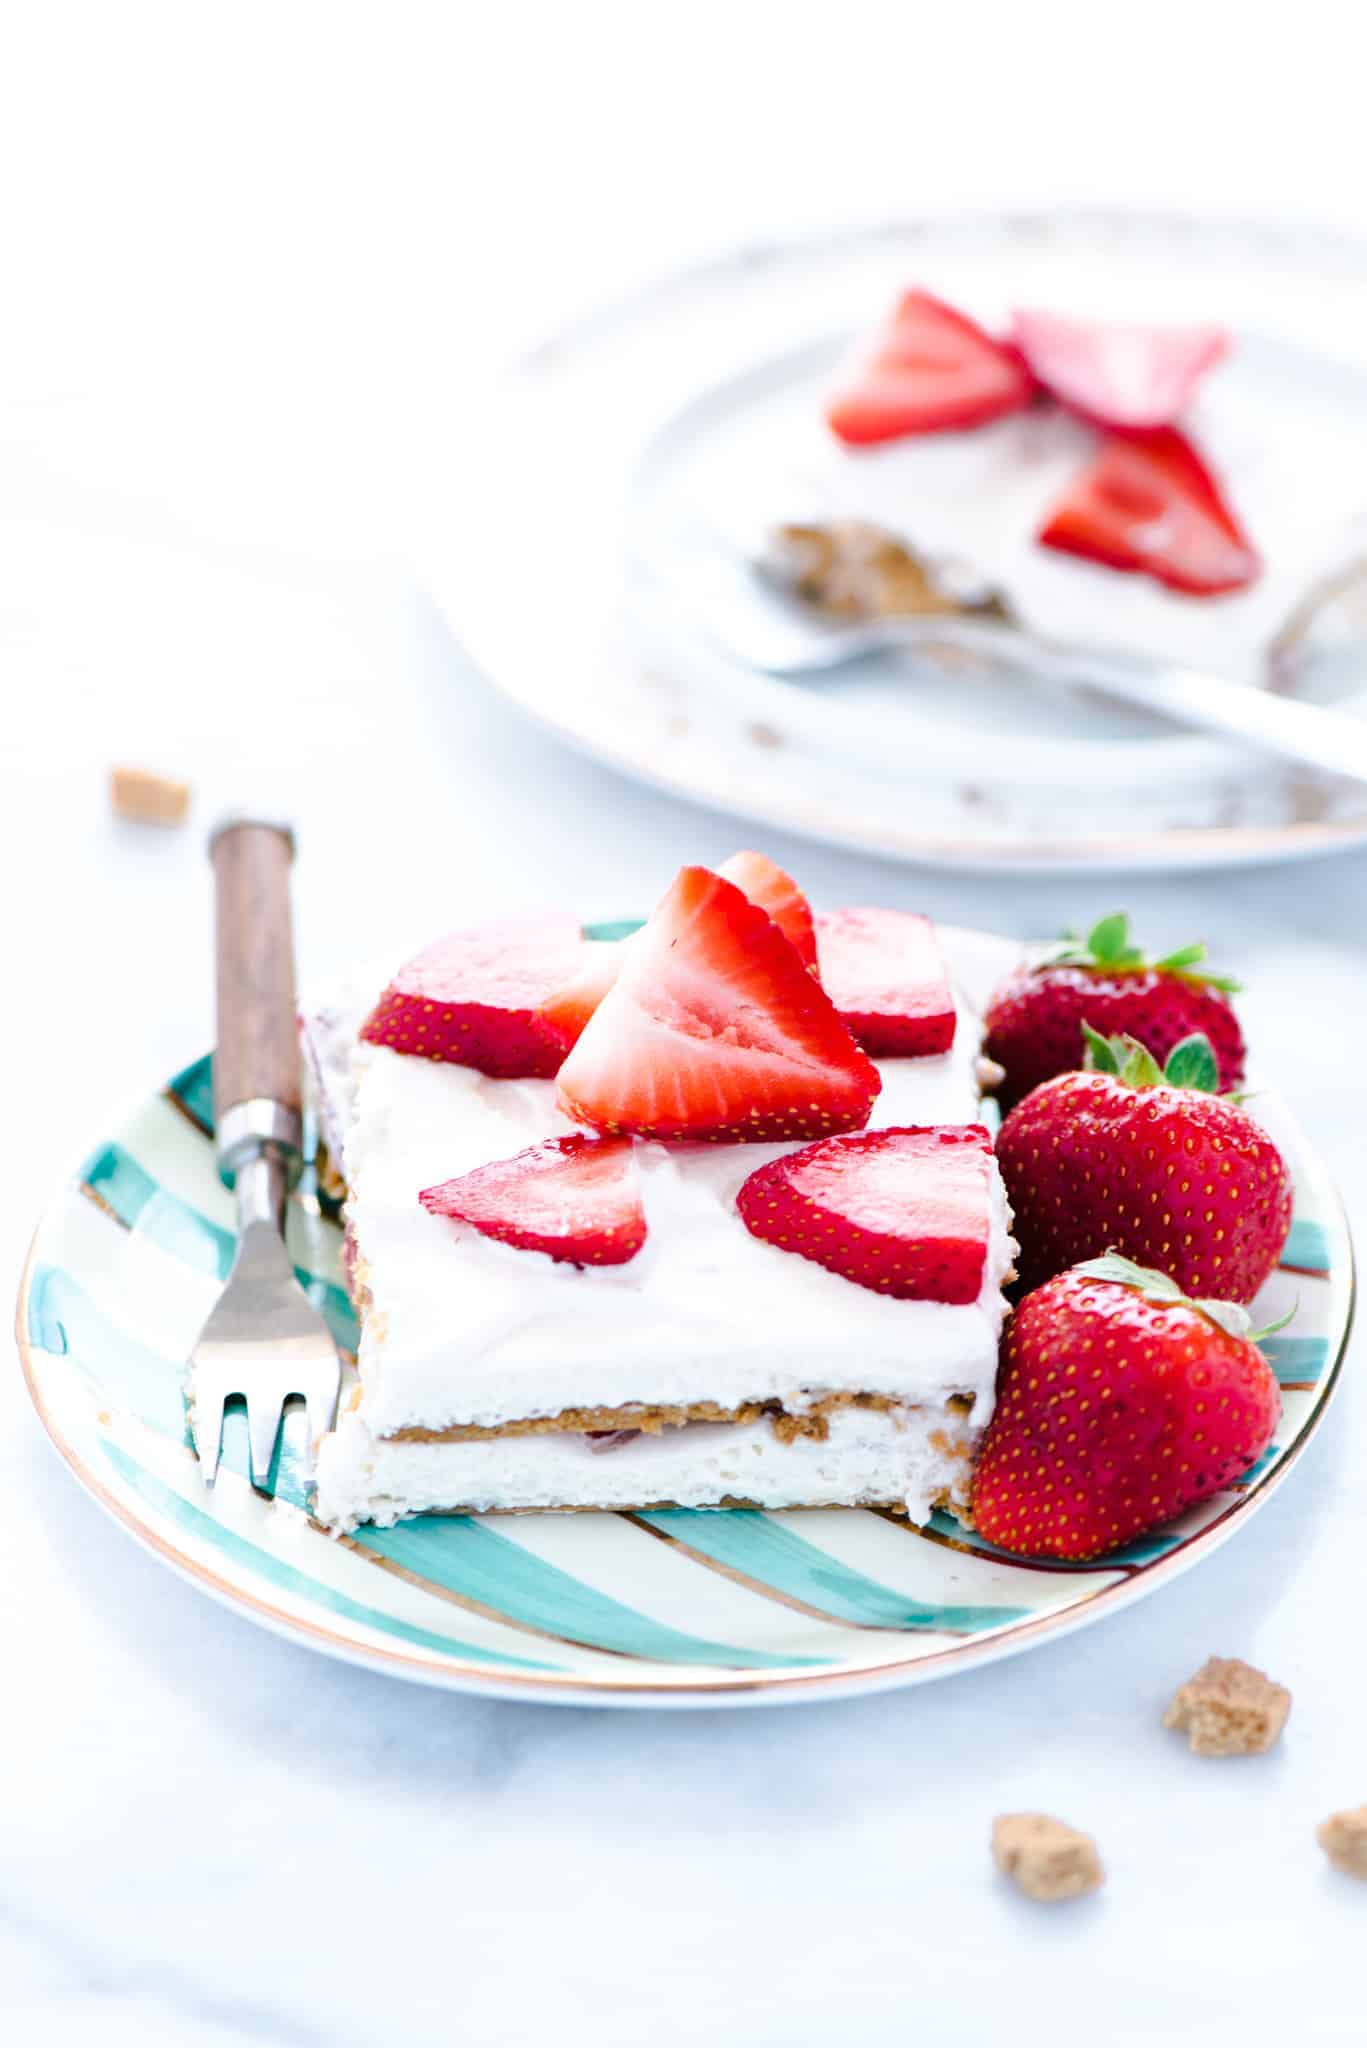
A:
{"x":207,"y":1835}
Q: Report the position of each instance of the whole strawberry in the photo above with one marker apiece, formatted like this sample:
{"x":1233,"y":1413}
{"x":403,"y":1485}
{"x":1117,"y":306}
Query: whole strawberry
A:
{"x":1149,"y":1162}
{"x":1119,"y":1403}
{"x":1034,"y":1020}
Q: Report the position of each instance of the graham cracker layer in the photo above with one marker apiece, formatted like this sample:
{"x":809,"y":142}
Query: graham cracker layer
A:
{"x":812,"y":1422}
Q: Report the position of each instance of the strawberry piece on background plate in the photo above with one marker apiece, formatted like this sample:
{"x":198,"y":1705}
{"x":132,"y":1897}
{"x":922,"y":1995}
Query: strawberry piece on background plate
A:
{"x":1118,"y":374}
{"x":1146,"y":1161}
{"x":928,"y":368}
{"x":778,"y":895}
{"x":714,"y":1029}
{"x":474,"y":998}
{"x":1147,"y":503}
{"x":574,"y":1198}
{"x":1033,"y":1023}
{"x":904,"y":1212}
{"x":886,"y":975}
{"x":1119,"y":1403}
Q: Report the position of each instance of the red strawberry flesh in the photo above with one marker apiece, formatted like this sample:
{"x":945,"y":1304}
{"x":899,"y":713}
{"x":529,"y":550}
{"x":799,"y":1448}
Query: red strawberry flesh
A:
{"x":928,"y":368}
{"x":1147,"y":503}
{"x":1114,"y":1413}
{"x":777,"y":894}
{"x":1121,"y":375}
{"x":715,"y":1030}
{"x":474,"y":998}
{"x":574,"y":1198}
{"x":906,"y":1212}
{"x":886,"y":975}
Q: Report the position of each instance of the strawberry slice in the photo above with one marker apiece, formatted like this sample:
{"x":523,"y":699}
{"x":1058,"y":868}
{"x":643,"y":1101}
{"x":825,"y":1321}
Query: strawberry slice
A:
{"x":567,"y":1010}
{"x":885,"y":973}
{"x":928,"y":368}
{"x":1122,"y":376}
{"x":1148,"y":503}
{"x":714,"y":1029}
{"x":905,"y":1212}
{"x":474,"y":998}
{"x":575,"y":1199}
{"x":765,"y":883}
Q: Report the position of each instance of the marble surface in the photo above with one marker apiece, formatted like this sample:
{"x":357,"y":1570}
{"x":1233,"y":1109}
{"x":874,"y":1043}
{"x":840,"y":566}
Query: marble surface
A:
{"x":211,"y":472}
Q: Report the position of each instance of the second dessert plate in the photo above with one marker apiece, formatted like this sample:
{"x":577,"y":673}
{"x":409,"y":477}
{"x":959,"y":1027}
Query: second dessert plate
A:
{"x":667,"y":1608}
{"x":588,"y":488}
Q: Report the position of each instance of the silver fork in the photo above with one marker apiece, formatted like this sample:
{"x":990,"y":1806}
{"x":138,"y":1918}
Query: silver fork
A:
{"x":264,"y":1339}
{"x":748,"y":616}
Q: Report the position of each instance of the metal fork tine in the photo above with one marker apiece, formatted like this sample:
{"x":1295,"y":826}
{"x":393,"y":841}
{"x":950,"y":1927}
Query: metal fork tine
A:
{"x":263,"y":1426}
{"x":321,"y":1411}
{"x":208,"y":1430}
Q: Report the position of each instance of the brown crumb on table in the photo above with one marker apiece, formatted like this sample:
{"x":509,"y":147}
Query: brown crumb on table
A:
{"x":1229,"y":1709}
{"x":1343,"y":1838}
{"x":1045,"y":1858}
{"x":148,"y":799}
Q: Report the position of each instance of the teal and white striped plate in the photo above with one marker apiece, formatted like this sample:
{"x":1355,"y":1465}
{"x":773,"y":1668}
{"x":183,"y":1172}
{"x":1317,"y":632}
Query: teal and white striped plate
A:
{"x":659,"y":1609}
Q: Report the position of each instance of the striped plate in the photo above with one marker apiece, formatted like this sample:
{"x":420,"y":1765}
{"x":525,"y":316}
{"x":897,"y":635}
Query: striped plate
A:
{"x":667,"y":1608}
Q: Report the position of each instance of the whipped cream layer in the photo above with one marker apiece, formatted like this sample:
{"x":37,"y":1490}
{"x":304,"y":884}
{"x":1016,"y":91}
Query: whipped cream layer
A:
{"x":903,"y":1457}
{"x":460,"y":1329}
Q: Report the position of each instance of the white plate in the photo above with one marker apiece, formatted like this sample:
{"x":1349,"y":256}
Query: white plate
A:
{"x":672,"y":1608}
{"x":581,"y":479}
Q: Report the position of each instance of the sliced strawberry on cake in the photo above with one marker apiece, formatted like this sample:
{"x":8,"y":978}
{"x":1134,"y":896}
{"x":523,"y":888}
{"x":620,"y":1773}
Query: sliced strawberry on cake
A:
{"x":886,"y":975}
{"x":1147,"y":503}
{"x":476,"y":998}
{"x":928,"y":368}
{"x":576,"y":1199}
{"x":906,"y":1212}
{"x":714,"y":1029}
{"x":1117,"y":373}
{"x":776,"y":893}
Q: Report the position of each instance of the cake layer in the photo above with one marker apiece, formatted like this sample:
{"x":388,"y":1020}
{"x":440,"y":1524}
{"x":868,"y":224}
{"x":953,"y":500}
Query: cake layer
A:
{"x":459,"y":1329}
{"x":912,"y":1458}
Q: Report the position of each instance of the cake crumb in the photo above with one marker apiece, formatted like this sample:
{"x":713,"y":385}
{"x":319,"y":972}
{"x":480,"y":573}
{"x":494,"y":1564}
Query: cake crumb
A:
{"x":1343,"y":1838}
{"x":1045,"y":1858}
{"x":1229,"y":1709}
{"x":148,"y":799}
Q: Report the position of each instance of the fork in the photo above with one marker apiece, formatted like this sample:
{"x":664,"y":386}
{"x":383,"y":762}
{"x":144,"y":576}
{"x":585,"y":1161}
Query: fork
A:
{"x":749,"y":617}
{"x":264,"y":1339}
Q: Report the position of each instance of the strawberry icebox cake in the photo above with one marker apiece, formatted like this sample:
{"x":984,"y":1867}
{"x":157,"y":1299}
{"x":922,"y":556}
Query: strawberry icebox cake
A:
{"x":704,"y":1213}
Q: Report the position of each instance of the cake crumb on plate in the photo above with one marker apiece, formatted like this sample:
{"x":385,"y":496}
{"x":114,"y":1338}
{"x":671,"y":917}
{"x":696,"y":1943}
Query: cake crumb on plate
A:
{"x":148,"y":799}
{"x":1343,"y":1838}
{"x":1229,"y":1709}
{"x":1044,"y":1857}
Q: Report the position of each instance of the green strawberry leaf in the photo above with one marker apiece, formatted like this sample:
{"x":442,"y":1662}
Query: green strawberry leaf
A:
{"x":1186,"y":956}
{"x":1192,"y":1064}
{"x":1099,"y":1057}
{"x":1110,"y":937}
{"x":1229,"y":1316}
{"x":1108,"y":948}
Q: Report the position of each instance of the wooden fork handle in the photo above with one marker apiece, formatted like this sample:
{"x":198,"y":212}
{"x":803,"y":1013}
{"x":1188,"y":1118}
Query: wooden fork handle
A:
{"x":256,"y":1060}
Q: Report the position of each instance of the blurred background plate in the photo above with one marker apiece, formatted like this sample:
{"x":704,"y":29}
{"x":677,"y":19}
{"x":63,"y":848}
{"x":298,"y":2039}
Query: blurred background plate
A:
{"x":580,"y":483}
